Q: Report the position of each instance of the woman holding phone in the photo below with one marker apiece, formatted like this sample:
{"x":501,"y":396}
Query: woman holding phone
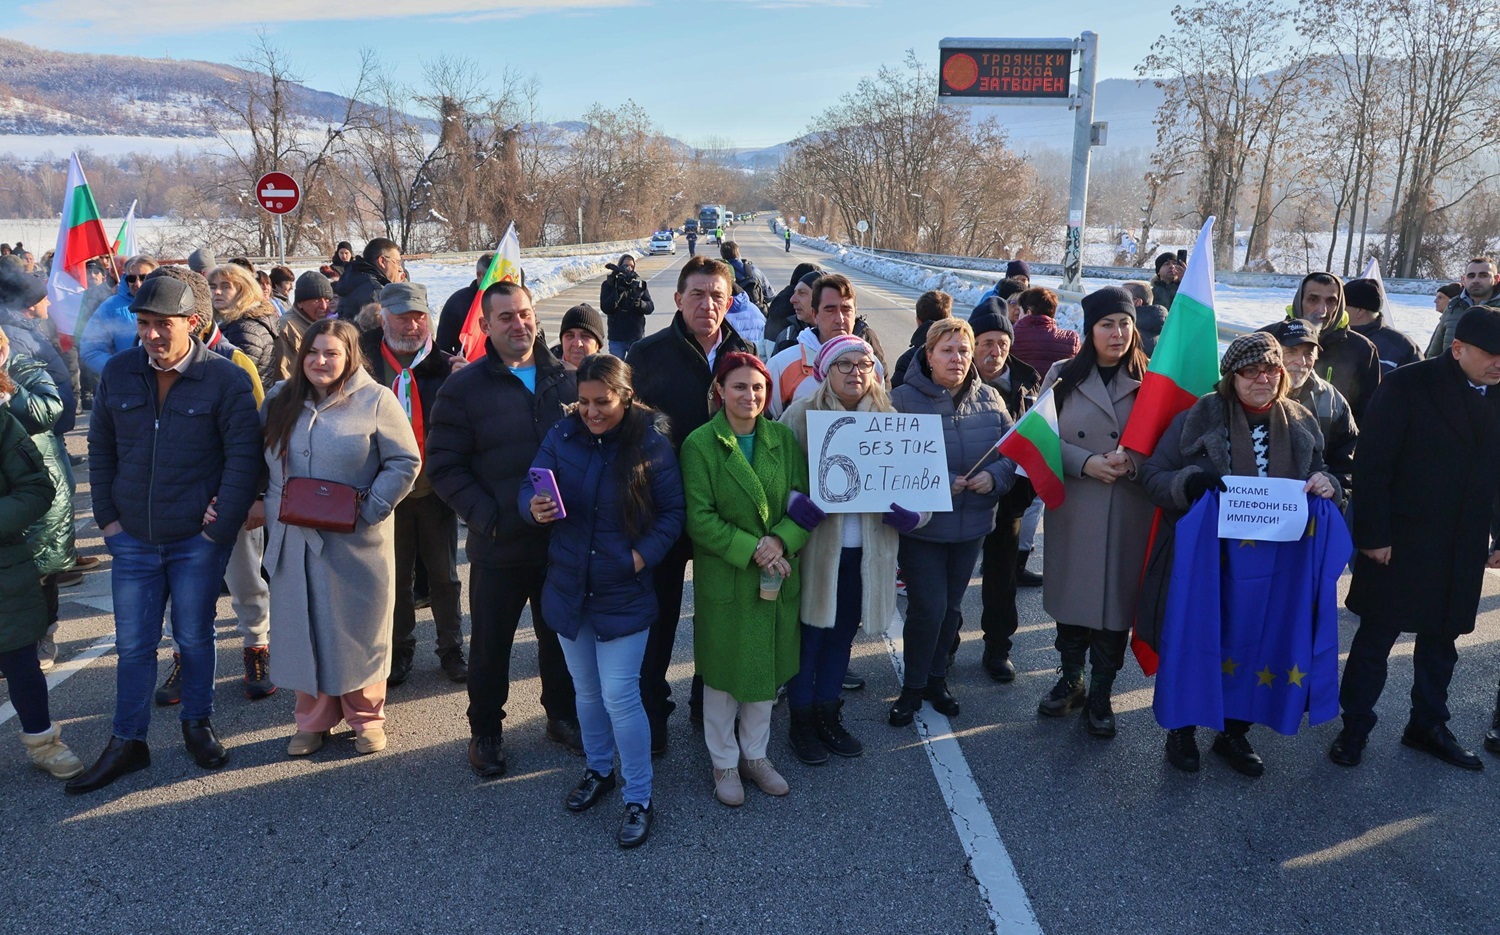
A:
{"x":606,"y":480}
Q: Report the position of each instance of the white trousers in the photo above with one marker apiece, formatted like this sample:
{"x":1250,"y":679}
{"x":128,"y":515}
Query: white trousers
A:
{"x":719,"y":710}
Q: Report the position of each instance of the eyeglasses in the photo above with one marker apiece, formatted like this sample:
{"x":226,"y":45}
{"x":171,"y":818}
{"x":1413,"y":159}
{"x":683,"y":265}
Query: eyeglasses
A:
{"x":1255,"y":371}
{"x":134,"y":279}
{"x":847,"y":367}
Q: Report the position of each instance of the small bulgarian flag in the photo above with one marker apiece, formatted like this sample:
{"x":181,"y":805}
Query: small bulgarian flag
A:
{"x":1034,"y":444}
{"x":124,"y":246}
{"x":1185,"y":364}
{"x":506,"y":266}
{"x":80,"y":238}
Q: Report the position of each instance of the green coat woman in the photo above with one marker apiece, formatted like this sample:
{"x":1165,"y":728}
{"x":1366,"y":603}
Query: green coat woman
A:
{"x":25,"y":493}
{"x":742,"y":645}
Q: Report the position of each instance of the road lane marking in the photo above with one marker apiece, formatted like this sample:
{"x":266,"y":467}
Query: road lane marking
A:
{"x":66,"y":670}
{"x":1005,"y":898}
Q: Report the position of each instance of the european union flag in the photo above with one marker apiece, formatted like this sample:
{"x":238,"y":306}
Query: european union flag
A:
{"x":1251,"y":628}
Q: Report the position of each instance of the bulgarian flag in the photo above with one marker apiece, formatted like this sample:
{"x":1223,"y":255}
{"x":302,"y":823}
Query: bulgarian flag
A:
{"x":1035,"y":445}
{"x":506,"y":267}
{"x":1185,"y":364}
{"x":124,"y":245}
{"x":80,"y":238}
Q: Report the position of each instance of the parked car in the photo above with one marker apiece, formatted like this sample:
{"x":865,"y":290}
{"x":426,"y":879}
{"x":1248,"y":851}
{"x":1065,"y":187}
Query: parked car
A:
{"x":663,"y":242}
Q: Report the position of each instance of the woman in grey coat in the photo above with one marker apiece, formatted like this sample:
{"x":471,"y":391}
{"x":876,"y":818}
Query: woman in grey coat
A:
{"x":1096,"y":540}
{"x":333,"y":594}
{"x":937,"y":560}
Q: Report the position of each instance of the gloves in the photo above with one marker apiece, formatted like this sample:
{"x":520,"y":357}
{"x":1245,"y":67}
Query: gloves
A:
{"x":901,"y":519}
{"x":803,"y":511}
{"x":1201,"y":483}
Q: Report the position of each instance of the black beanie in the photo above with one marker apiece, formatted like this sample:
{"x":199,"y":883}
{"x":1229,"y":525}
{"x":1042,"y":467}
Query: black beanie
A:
{"x":1017,"y":268}
{"x":990,"y":315}
{"x":1163,"y":258}
{"x":587,"y":317}
{"x":1365,"y":294}
{"x":312,"y":285}
{"x":1101,"y":303}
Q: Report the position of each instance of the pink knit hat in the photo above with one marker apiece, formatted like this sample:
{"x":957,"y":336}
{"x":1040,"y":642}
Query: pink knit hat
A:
{"x":837,"y":347}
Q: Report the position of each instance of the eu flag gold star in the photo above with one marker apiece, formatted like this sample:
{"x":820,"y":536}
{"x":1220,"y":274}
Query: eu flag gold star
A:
{"x":1229,"y":666}
{"x":1267,"y":678}
{"x":1295,"y":675}
{"x":1249,"y":542}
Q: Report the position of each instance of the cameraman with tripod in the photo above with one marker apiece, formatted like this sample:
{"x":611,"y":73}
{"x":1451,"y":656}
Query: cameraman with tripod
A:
{"x":625,"y":301}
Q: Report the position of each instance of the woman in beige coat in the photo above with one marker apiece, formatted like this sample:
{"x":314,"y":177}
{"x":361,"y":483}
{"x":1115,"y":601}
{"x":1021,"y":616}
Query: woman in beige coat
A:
{"x":333,"y":594}
{"x":1096,"y":541}
{"x":848,"y":564}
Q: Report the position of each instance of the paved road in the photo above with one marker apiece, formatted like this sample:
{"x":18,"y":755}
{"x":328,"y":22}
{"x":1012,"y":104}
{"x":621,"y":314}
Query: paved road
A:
{"x":1104,"y":836}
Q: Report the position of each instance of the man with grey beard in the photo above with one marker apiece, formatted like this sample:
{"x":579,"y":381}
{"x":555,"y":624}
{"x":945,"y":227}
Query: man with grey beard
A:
{"x":401,"y":355}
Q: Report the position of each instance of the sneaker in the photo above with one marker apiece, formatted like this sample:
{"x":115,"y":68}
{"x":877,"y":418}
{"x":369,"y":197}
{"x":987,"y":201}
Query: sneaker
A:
{"x":727,"y":787}
{"x":763,"y":774}
{"x":258,"y":682}
{"x":170,"y":692}
{"x":453,"y":664}
{"x":46,"y":653}
{"x":1067,"y":695}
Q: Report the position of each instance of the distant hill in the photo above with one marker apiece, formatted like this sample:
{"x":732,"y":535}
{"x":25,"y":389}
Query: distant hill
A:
{"x":75,"y":94}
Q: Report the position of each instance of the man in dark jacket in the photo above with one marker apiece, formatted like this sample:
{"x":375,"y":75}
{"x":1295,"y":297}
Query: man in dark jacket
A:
{"x":1365,"y":298}
{"x":932,"y":306}
{"x":1018,"y":384}
{"x":1348,"y":360}
{"x":400,"y":354}
{"x":1478,"y":289}
{"x":625,"y":299}
{"x":456,"y":310}
{"x":175,"y":459}
{"x":360,"y":285}
{"x":782,"y":313}
{"x":487,"y":425}
{"x":1299,"y":355}
{"x":1150,"y":318}
{"x":1168,"y":279}
{"x":1427,"y":472}
{"x":673,"y":371}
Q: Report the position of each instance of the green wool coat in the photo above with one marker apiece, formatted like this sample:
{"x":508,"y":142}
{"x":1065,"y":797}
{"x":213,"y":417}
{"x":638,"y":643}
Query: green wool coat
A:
{"x":742,"y":645}
{"x":25,"y":493}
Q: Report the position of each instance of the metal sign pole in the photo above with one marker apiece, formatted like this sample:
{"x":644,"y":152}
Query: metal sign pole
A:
{"x":280,"y":240}
{"x":1083,"y":141}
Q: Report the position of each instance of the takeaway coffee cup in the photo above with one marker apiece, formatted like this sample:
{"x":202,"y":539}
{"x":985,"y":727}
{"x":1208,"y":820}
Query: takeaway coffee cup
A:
{"x":770,"y":585}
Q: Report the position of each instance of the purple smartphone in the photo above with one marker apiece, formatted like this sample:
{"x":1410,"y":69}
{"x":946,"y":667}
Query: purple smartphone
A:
{"x":543,"y":482}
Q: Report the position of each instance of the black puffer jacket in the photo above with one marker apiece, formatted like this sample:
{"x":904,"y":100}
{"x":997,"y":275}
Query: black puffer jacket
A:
{"x":451,"y":321}
{"x":672,"y":374}
{"x":254,"y":332}
{"x":485,"y":432}
{"x":358,"y":287}
{"x":155,"y":469}
{"x":781,"y":313}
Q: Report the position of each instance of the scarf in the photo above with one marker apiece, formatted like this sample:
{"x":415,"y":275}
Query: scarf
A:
{"x":1242,"y":449}
{"x":405,"y":388}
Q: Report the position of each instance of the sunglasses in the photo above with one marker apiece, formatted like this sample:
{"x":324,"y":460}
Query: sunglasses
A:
{"x":134,"y":279}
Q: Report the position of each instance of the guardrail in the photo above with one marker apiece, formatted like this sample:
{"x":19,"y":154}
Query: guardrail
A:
{"x":1227,"y":277}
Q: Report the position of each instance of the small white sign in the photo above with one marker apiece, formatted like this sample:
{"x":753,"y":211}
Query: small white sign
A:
{"x":1265,"y":509}
{"x":862,"y":462}
{"x":801,"y":219}
{"x":862,"y":226}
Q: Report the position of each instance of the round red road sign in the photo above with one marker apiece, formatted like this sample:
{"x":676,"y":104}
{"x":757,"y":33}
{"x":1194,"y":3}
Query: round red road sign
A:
{"x":277,"y":192}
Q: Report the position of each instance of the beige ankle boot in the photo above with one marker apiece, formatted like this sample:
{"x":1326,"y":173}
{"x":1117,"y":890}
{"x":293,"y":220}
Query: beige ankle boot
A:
{"x":369,"y":740}
{"x":48,"y":752}
{"x":764,"y":776}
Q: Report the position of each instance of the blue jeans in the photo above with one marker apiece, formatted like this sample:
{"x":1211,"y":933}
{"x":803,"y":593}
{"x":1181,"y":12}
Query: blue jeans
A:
{"x":825,"y":650}
{"x":619,"y":348}
{"x":144,"y":574}
{"x":607,"y":682}
{"x":937,"y":575}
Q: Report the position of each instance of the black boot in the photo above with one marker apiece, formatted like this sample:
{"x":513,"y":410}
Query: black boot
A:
{"x":1067,"y":695}
{"x":942,"y":700}
{"x":1101,"y":715}
{"x":119,"y":758}
{"x":1182,"y":748}
{"x":804,"y":738}
{"x":904,"y":711}
{"x":199,"y":738}
{"x":831,"y":732}
{"x":1025,"y":578}
{"x":1234,"y":747}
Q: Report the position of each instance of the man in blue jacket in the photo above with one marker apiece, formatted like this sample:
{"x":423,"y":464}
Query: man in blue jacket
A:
{"x":111,"y":329}
{"x":175,"y":459}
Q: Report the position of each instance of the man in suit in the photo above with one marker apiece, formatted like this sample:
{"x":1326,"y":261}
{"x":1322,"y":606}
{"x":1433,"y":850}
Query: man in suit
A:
{"x":1429,"y":458}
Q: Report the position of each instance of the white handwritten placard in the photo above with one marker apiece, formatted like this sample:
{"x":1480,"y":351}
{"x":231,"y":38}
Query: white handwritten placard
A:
{"x":862,"y":462}
{"x":1267,"y":509}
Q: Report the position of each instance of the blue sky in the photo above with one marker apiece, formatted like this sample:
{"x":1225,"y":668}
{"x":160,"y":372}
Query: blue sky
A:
{"x":762,"y":69}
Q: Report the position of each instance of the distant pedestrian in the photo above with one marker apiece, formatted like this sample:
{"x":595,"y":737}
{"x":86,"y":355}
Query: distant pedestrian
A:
{"x":625,"y":300}
{"x":788,"y":233}
{"x":1040,"y":340}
